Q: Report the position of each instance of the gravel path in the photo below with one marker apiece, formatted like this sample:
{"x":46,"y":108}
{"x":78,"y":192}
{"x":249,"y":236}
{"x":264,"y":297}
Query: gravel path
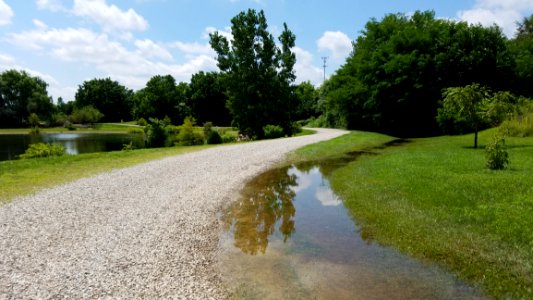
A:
{"x":148,"y":231}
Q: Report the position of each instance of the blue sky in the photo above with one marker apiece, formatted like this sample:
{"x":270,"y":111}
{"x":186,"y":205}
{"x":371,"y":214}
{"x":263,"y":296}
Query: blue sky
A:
{"x":66,"y":42}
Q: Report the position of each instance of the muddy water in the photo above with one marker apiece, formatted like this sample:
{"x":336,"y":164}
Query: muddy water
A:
{"x":290,"y":237}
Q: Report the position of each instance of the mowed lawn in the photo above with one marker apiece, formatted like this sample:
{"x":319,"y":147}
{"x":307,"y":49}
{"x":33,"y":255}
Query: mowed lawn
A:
{"x":434,"y":199}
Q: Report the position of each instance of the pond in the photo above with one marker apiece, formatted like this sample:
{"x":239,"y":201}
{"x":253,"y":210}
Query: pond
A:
{"x":12,"y":145}
{"x":290,"y":237}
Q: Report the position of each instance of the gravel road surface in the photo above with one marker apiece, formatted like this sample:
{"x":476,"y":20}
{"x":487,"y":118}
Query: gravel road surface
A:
{"x":148,"y":231}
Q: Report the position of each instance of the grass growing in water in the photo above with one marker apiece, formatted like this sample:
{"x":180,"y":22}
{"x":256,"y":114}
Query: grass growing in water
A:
{"x":23,"y":177}
{"x":434,"y":199}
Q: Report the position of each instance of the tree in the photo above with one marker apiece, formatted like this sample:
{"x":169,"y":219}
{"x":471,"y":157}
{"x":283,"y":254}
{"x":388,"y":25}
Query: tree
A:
{"x":160,"y":98}
{"x":20,"y":95}
{"x":475,"y":107}
{"x":522,"y":49}
{"x":393,"y":80}
{"x":257,"y":73}
{"x":208,"y":99}
{"x":306,"y":101}
{"x":86,"y":115}
{"x":110,"y":97}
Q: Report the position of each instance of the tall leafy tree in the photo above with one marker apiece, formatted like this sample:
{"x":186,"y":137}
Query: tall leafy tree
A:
{"x":522,"y":49}
{"x":306,"y":101}
{"x":162,"y":98}
{"x":111,"y":98}
{"x":208,"y":99}
{"x":257,"y":73}
{"x":393,"y":80}
{"x":21,"y":95}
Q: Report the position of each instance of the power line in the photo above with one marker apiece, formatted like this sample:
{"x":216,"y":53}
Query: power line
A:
{"x":325,"y":59}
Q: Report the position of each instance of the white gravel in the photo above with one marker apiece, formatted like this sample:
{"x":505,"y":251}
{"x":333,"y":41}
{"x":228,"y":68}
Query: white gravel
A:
{"x":148,"y":231}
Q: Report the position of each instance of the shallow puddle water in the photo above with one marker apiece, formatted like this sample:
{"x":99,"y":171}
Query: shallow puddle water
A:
{"x":290,"y":237}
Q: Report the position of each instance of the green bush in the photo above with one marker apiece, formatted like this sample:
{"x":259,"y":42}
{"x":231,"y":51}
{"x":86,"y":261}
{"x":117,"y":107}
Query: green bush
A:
{"x":43,"y":150}
{"x":229,"y":137}
{"x":188,"y":136}
{"x":273,"y":131}
{"x":156,"y":134}
{"x":142,"y":122}
{"x":208,"y":128}
{"x":214,"y":138}
{"x":519,"y":126}
{"x":496,"y":154}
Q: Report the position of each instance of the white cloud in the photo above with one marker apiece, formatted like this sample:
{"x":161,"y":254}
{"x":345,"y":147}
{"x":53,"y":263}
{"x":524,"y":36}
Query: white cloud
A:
{"x":52,"y":5}
{"x":6,"y":60}
{"x":112,"y":58}
{"x":150,"y":49}
{"x":109,"y":16}
{"x":304,"y":68}
{"x":193,"y":48}
{"x":338,"y":43}
{"x":6,"y":13}
{"x":226,"y":32}
{"x":327,"y":197}
{"x":504,"y":13}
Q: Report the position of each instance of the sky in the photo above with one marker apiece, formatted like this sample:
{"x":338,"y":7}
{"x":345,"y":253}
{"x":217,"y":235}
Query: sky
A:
{"x":66,"y":42}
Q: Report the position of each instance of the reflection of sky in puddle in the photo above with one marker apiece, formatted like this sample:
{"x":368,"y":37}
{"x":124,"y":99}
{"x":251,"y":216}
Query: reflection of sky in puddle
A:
{"x":290,"y":236}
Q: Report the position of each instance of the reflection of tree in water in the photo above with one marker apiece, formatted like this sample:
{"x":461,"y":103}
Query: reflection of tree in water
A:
{"x":265,"y":200}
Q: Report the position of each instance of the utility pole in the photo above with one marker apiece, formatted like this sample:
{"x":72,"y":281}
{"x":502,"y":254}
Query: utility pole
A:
{"x":325,"y":59}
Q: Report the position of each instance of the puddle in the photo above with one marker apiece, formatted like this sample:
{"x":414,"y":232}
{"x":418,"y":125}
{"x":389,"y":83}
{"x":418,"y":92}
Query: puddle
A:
{"x":290,"y":237}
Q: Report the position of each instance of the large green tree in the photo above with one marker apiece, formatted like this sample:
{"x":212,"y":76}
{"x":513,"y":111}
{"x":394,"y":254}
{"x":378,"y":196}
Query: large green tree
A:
{"x":162,"y":98}
{"x":257,"y":73}
{"x":522,"y":49}
{"x":111,"y":98}
{"x":21,"y":95}
{"x":393,"y":80}
{"x":208,"y":99}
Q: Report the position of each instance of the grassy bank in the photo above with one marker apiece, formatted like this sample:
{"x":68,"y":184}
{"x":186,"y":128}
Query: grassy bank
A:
{"x":98,"y":128}
{"x":22,"y":177}
{"x":434,"y":199}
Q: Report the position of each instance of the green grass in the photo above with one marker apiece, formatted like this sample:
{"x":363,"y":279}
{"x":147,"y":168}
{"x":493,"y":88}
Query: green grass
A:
{"x":434,"y":199}
{"x":23,"y":177}
{"x":98,"y":128}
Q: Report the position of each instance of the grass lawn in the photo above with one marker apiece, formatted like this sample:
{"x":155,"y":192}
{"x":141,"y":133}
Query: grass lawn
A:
{"x":434,"y":199}
{"x":98,"y":128}
{"x":22,"y":177}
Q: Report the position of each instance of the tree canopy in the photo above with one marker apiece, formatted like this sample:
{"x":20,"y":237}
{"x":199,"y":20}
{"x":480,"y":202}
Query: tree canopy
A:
{"x":258,"y":75}
{"x":111,"y":98}
{"x":393,"y":80}
{"x":208,"y":99}
{"x":21,"y":95}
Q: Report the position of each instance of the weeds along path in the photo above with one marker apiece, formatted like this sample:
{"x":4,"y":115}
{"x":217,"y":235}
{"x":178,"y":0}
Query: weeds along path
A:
{"x":148,"y":231}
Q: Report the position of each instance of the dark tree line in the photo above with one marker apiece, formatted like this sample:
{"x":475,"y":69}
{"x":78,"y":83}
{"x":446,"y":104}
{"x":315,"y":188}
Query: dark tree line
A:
{"x":394,"y":79}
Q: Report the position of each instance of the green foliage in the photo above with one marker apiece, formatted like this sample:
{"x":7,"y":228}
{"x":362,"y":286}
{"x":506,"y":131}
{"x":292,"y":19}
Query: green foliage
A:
{"x":521,"y":122}
{"x":43,"y":150}
{"x":33,"y":120}
{"x":306,"y":98}
{"x":128,"y":147}
{"x":273,"y":132}
{"x":393,"y":80}
{"x":214,"y":138}
{"x":208,"y":99}
{"x":162,"y":98}
{"x":135,"y":131}
{"x":107,"y":96}
{"x":59,"y":119}
{"x":86,"y":115}
{"x":156,"y":134}
{"x":208,"y":128}
{"x":496,"y":154}
{"x":142,"y":122}
{"x":258,"y":75}
{"x":474,"y":107}
{"x":20,"y":95}
{"x":188,"y":136}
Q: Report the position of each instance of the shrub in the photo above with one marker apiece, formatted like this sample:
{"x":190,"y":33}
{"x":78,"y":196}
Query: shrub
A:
{"x":43,"y":150}
{"x":229,"y":137}
{"x":273,"y":131}
{"x":135,"y":131}
{"x":59,"y":119}
{"x":128,"y":147}
{"x":156,"y":134}
{"x":496,"y":154}
{"x":188,"y":136}
{"x":519,"y":126}
{"x":208,"y":128}
{"x":69,"y":125}
{"x":142,"y":122}
{"x":214,"y":138}
{"x":86,"y":115}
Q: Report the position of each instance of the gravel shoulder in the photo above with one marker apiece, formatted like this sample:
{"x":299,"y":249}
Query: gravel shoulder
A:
{"x":148,"y":231}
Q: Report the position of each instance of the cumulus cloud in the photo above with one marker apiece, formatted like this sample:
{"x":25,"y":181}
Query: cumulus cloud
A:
{"x":132,"y":67}
{"x":109,"y":16}
{"x":52,"y":5}
{"x":149,"y":48}
{"x":504,"y":13}
{"x":337,"y":43}
{"x":304,"y":68}
{"x":6,"y":13}
{"x":6,"y":60}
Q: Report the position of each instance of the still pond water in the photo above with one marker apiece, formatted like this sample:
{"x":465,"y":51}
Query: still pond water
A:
{"x":12,"y":145}
{"x":290,"y":237}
